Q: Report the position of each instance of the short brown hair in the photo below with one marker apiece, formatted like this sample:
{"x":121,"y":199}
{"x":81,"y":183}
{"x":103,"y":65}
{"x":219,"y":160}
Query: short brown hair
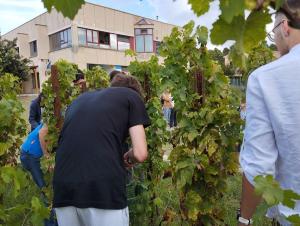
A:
{"x":113,"y":73}
{"x":122,"y":80}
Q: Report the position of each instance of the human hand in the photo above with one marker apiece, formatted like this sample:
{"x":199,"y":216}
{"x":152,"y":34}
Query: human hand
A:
{"x":47,"y":156}
{"x":50,"y":167}
{"x":128,"y":159}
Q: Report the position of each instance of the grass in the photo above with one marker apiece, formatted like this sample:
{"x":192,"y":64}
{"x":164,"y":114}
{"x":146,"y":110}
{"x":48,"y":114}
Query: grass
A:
{"x":231,"y":202}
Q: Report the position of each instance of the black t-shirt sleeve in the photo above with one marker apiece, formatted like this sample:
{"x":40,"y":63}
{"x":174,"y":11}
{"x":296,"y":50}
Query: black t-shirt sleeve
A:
{"x":137,"y":112}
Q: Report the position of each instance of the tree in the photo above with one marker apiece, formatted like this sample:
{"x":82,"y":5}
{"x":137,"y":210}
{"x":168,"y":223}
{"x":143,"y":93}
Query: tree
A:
{"x":219,"y":57}
{"x":260,"y":55}
{"x":10,"y":60}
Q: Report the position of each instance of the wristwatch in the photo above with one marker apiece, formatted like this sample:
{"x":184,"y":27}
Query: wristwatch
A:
{"x":243,"y":220}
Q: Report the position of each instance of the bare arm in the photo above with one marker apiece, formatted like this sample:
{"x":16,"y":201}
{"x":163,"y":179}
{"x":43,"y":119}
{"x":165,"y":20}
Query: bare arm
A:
{"x":139,"y":152}
{"x":42,"y":136}
{"x":259,"y":153}
{"x":249,"y":200}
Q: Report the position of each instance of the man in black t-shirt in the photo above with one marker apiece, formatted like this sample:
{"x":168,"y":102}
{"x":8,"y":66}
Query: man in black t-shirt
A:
{"x":89,"y":176}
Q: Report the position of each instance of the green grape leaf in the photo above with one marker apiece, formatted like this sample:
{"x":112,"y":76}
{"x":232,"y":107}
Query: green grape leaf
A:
{"x":185,"y":176}
{"x":192,"y":135}
{"x":200,"y":7}
{"x":40,"y":212}
{"x":255,"y":29}
{"x":269,"y":189}
{"x":158,"y":202}
{"x":231,"y":8}
{"x":223,"y":31}
{"x":4,"y":147}
{"x":247,"y":33}
{"x":68,"y":8}
{"x":278,"y":4}
{"x":193,"y":199}
{"x":202,"y":33}
{"x":295,"y":219}
{"x":237,"y":55}
{"x":289,"y":198}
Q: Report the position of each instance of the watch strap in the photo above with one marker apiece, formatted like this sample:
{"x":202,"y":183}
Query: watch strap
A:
{"x":245,"y":221}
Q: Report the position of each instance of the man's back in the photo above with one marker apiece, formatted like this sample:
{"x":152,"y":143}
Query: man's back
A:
{"x":89,"y":159}
{"x":272,"y":133}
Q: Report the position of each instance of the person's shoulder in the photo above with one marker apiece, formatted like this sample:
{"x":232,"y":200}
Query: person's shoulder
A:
{"x":128,"y":94}
{"x":88,"y":94}
{"x":34,"y":102}
{"x":270,"y":69}
{"x":278,"y":64}
{"x":123,"y":90}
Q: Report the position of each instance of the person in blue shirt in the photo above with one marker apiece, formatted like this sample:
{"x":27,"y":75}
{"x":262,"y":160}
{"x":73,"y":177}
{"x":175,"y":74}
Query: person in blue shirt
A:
{"x":33,"y":148}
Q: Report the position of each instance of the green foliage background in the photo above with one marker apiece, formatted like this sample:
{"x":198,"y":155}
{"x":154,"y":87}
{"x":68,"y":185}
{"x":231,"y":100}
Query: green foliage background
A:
{"x":10,"y":60}
{"x":13,"y":180}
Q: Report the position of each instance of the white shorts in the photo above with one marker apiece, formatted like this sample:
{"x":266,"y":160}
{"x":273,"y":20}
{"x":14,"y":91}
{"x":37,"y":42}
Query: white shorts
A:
{"x":72,"y":216}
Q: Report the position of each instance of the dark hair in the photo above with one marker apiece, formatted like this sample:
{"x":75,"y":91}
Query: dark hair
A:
{"x":79,"y":75}
{"x":122,"y":80}
{"x":39,"y":98}
{"x":290,"y":9}
{"x":113,"y":73}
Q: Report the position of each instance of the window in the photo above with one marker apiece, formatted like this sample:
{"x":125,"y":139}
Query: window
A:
{"x":113,"y":41}
{"x":93,"y":38}
{"x":144,"y":40}
{"x":91,"y":66}
{"x":143,"y":31}
{"x":139,"y":44}
{"x":104,"y":38}
{"x":89,"y":35}
{"x":123,"y":42}
{"x":61,"y":39}
{"x":65,"y":38}
{"x":82,"y":36}
{"x":148,"y":43}
{"x":33,"y":48}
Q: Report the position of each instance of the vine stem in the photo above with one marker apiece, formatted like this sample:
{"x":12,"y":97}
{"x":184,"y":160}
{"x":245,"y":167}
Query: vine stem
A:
{"x":25,"y":219}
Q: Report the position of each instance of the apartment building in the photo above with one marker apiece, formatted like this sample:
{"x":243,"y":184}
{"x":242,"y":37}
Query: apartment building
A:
{"x":97,"y":36}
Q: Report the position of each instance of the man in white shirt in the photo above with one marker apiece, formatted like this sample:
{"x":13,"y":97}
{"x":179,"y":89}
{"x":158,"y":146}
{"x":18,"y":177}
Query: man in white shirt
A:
{"x":272,"y":135}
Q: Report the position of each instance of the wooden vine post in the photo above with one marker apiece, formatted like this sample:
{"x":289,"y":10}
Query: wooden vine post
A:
{"x":199,"y":85}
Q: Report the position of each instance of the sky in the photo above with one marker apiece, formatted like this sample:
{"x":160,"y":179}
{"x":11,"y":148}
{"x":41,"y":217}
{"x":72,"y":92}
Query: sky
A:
{"x":14,"y":13}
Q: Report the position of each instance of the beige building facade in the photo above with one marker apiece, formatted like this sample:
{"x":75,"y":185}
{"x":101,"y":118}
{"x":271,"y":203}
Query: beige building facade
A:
{"x":97,"y":36}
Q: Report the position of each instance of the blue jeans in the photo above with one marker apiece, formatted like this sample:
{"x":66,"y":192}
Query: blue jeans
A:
{"x":167,"y":114}
{"x":33,"y":165}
